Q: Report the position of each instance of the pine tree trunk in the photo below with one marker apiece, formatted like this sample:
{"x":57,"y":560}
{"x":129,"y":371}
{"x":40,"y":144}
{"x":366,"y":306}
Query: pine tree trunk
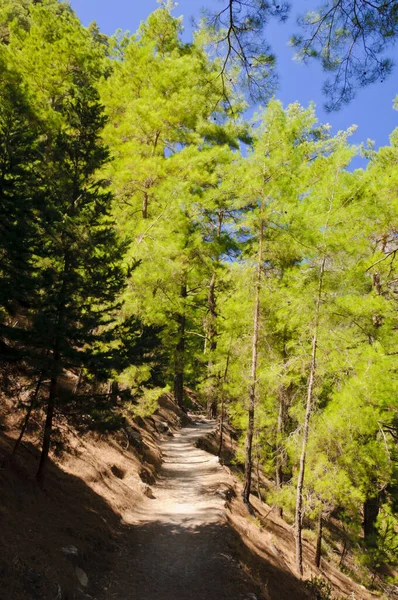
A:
{"x":258,"y":473}
{"x":343,"y":552}
{"x":48,"y":426}
{"x":179,"y":354}
{"x":252,"y":390}
{"x":371,"y":509}
{"x":308,"y":410}
{"x":145,"y":205}
{"x":220,"y":445}
{"x":114,"y":391}
{"x":223,"y":405}
{"x":371,"y":506}
{"x":211,"y":399}
{"x":54,"y":374}
{"x":319,"y":541}
{"x":149,"y":182}
{"x":279,"y":432}
{"x":79,"y":382}
{"x":279,"y":483}
{"x":32,"y":404}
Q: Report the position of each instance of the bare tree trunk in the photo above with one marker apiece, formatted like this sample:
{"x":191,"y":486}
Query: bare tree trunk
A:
{"x":49,"y":422}
{"x":371,"y":509}
{"x":32,"y":404}
{"x":371,"y":505}
{"x":145,"y":205}
{"x":223,"y":405}
{"x":279,"y":433}
{"x":149,"y":182}
{"x":252,"y":390}
{"x":54,"y":374}
{"x":220,"y":445}
{"x":343,"y":553}
{"x":113,"y":390}
{"x":308,"y":410}
{"x":319,"y":533}
{"x":212,"y":333}
{"x":179,"y":354}
{"x":258,"y":471}
{"x":79,"y":382}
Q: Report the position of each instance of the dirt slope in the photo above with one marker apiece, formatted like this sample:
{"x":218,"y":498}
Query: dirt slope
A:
{"x":76,"y":522}
{"x":268,"y":543}
{"x":192,"y":540}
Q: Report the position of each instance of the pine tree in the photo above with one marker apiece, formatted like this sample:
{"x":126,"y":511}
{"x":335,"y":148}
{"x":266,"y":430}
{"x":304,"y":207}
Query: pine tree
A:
{"x":162,"y":138}
{"x":274,"y":176}
{"x":76,"y":256}
{"x":19,"y":189}
{"x":82,"y":272}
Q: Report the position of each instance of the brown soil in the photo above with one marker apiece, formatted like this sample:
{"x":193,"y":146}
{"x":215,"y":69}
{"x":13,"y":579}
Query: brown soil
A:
{"x":188,"y":536}
{"x":93,"y":481}
{"x":268,"y":544}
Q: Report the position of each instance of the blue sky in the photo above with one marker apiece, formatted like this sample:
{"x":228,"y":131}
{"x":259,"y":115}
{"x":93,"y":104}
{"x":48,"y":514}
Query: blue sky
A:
{"x":371,"y":110}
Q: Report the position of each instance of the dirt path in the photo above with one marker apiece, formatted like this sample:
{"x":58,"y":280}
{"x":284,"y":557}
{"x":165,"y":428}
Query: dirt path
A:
{"x":181,"y":547}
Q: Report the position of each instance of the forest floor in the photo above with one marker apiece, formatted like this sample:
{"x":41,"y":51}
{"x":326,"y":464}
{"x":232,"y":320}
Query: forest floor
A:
{"x":146,"y":512}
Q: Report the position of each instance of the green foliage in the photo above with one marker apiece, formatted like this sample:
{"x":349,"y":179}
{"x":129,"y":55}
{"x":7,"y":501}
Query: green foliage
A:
{"x":146,"y":404}
{"x":81,"y":254}
{"x":20,"y":192}
{"x":384,"y":551}
{"x":319,"y":588}
{"x":106,"y":420}
{"x":13,"y":13}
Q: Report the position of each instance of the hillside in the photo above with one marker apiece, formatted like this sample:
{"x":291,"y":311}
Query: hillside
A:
{"x":143,"y":511}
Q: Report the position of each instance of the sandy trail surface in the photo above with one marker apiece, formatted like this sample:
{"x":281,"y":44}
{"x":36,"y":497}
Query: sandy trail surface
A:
{"x":181,"y":546}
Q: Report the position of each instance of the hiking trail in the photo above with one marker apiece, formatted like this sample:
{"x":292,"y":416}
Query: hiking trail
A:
{"x":181,"y":545}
